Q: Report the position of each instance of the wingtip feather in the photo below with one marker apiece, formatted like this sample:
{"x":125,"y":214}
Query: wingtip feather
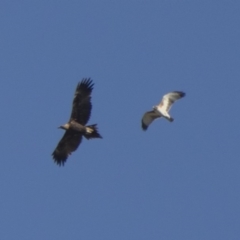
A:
{"x":144,"y":126}
{"x":59,"y":160}
{"x":181,"y":94}
{"x":86,"y":84}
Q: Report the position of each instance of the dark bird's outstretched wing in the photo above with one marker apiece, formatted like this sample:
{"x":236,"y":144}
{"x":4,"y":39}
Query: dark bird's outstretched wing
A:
{"x":81,"y":108}
{"x":68,"y":144}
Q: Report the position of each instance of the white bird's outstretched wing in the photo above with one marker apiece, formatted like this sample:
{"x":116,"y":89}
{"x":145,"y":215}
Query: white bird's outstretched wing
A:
{"x":147,"y":119}
{"x":168,"y":100}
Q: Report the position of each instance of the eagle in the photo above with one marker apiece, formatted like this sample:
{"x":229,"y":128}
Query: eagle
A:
{"x":162,"y":109}
{"x":76,"y":127}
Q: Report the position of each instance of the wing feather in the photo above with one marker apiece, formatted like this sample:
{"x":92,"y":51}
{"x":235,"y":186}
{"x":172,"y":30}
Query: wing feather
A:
{"x":82,"y":106}
{"x":169,"y":99}
{"x":148,"y":118}
{"x":68,"y":144}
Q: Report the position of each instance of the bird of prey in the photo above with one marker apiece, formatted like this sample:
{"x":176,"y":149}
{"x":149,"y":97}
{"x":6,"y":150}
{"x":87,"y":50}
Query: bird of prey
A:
{"x":162,"y":109}
{"x":76,"y":126}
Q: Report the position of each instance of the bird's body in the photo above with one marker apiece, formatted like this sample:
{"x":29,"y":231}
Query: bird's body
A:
{"x":162,"y":109}
{"x":162,"y":113}
{"x":75,"y":128}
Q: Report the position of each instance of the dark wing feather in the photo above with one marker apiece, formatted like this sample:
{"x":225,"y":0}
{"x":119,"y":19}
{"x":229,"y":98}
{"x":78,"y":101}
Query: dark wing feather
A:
{"x":81,"y":108}
{"x":148,"y":118}
{"x":68,"y":144}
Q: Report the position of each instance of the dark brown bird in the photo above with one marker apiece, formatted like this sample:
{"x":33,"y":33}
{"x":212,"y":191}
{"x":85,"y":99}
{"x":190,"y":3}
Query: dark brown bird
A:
{"x":75,"y":128}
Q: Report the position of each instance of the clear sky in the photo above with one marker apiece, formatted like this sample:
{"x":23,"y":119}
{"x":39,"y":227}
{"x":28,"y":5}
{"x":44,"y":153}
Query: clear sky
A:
{"x":176,"y":181}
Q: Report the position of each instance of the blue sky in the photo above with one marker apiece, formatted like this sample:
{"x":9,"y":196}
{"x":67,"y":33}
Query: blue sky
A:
{"x":178,"y":180}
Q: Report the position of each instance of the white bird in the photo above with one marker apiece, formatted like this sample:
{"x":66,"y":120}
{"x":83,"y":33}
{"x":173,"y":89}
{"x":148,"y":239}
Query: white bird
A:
{"x":162,"y":109}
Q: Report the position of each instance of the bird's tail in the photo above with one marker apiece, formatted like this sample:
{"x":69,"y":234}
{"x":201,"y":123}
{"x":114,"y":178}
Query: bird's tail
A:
{"x":92,"y":132}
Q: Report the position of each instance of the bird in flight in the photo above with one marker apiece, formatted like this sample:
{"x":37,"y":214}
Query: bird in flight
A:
{"x":162,"y":109}
{"x":76,"y":126}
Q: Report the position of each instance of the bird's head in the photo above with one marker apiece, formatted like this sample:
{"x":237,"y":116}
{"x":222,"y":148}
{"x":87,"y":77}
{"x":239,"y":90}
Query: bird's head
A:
{"x":65,"y":126}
